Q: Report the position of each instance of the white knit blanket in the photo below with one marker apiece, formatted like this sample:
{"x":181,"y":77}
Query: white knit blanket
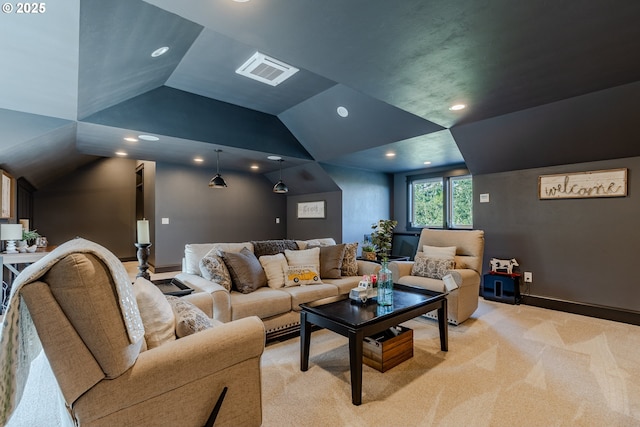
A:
{"x":18,"y":339}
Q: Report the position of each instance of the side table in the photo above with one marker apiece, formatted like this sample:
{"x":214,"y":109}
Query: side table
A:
{"x":503,"y":287}
{"x":11,"y":263}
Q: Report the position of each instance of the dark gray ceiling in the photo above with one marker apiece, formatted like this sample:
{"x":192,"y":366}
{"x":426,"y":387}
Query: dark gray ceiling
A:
{"x":546,"y":83}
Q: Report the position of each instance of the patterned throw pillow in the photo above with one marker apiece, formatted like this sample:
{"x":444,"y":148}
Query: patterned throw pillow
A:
{"x":349,"y":262}
{"x":272,"y":247}
{"x":189,"y":318}
{"x":213,"y":268}
{"x":434,"y":268}
{"x":300,"y":275}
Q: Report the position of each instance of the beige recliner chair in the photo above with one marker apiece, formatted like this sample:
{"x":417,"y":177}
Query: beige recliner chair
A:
{"x":108,"y":381}
{"x":468,"y":270}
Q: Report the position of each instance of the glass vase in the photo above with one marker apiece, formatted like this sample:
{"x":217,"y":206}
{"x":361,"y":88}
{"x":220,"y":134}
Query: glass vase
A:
{"x":385,"y":285}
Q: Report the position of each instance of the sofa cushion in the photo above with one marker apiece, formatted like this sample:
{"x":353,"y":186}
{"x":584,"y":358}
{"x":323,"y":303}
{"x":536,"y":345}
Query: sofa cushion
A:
{"x":436,"y":285}
{"x":304,"y":244}
{"x":274,"y":268}
{"x":301,"y":275}
{"x":212,"y":267}
{"x":194,"y":252}
{"x":434,"y":268}
{"x":349,"y":261}
{"x":272,"y":247}
{"x":344,"y":284}
{"x":246,"y":272}
{"x":303,"y":257}
{"x":264,"y":302}
{"x":158,"y":318}
{"x":189,"y":318}
{"x":331,"y":261}
{"x":439,"y":251}
{"x":303,"y":294}
{"x":86,"y":292}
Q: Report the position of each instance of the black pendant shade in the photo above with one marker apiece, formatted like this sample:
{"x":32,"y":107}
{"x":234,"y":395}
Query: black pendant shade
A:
{"x":217,"y":181}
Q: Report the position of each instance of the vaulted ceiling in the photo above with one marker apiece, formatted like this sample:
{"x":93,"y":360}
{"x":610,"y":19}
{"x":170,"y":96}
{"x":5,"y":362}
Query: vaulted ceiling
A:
{"x":545,"y":83}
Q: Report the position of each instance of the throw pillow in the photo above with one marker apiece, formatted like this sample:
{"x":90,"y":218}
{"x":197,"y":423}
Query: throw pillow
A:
{"x":434,"y":268}
{"x":156,"y":313}
{"x":274,"y":268}
{"x":272,"y":247}
{"x":302,"y":275}
{"x":439,"y":251}
{"x":331,"y":261}
{"x":304,"y":257}
{"x":349,"y":262}
{"x":246,"y":272}
{"x":213,"y":268}
{"x":189,"y":318}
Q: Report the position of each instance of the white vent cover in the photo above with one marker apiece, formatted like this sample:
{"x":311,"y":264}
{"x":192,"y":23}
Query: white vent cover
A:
{"x":266,"y":69}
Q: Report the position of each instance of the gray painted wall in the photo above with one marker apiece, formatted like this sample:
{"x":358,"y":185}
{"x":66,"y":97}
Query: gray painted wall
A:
{"x":366,"y":198}
{"x":246,"y":210}
{"x":581,"y":250}
{"x":96,"y":202}
{"x":312,"y":228}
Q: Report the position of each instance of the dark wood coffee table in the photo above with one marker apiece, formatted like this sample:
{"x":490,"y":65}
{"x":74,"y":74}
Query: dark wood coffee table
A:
{"x":356,"y":321}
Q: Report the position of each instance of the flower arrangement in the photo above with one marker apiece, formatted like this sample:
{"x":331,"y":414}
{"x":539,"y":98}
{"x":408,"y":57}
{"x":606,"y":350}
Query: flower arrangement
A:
{"x":382,"y":236}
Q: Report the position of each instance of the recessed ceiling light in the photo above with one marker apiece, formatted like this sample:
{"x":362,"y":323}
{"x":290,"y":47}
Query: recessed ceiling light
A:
{"x":131,"y":139}
{"x":255,"y":167}
{"x":342,"y":111}
{"x":457,"y":107}
{"x":121,"y":153}
{"x":427,"y":163}
{"x":274,"y":157}
{"x":198,"y":159}
{"x":160,"y":51}
{"x":148,"y":137}
{"x":390,"y":154}
{"x":241,"y":1}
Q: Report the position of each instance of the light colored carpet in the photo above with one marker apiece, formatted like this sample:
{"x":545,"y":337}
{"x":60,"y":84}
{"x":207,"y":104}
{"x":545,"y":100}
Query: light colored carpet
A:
{"x":506,"y":366}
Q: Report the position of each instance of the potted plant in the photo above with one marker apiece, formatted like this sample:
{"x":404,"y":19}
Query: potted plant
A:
{"x":30,"y":236}
{"x":382,"y":236}
{"x":368,"y":250}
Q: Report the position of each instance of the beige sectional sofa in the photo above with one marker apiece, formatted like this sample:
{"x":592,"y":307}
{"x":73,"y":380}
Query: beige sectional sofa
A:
{"x":277,"y":307}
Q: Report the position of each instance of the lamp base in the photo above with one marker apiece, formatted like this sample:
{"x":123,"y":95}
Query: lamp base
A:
{"x":11,"y":247}
{"x":143,"y":257}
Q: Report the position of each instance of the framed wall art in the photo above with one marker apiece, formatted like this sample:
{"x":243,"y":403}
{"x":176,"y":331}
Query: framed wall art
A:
{"x":581,"y":185}
{"x":6,"y":192}
{"x":312,"y":209}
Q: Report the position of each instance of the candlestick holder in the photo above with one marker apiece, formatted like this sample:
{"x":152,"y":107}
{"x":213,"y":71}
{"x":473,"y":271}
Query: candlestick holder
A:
{"x":143,"y":257}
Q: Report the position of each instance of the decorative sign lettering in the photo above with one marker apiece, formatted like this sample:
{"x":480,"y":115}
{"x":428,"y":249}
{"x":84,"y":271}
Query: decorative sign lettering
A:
{"x":311,"y":209}
{"x":605,"y":183}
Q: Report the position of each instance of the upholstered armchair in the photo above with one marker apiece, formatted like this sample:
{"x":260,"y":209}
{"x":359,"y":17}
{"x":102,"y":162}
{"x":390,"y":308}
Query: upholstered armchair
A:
{"x":108,"y":380}
{"x":466,"y":248}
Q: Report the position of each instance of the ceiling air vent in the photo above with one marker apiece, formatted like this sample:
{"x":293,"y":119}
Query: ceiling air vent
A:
{"x":267,"y":70}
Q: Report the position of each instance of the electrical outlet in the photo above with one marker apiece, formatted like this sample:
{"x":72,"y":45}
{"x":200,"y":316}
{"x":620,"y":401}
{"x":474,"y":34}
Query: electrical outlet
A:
{"x":528,"y":277}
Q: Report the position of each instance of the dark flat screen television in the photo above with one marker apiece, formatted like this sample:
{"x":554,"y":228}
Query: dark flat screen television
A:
{"x":405,"y":244}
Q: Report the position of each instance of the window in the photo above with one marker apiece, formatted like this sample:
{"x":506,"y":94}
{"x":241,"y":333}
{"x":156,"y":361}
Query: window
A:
{"x":441,"y":202}
{"x":461,"y":202}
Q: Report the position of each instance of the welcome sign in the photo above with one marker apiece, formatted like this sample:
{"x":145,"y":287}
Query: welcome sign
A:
{"x":604,"y":183}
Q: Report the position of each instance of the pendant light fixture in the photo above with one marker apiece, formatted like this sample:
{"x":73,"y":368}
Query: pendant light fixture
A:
{"x":280,"y":186}
{"x":217,"y":181}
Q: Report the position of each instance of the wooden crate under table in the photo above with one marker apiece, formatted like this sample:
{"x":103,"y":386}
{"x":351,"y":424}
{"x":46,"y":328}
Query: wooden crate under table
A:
{"x":385,"y":350}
